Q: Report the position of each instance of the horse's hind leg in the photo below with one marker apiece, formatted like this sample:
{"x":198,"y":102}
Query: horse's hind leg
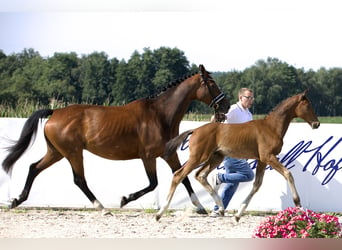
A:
{"x":178,"y":177}
{"x":50,"y":158}
{"x":76,"y":163}
{"x":260,"y":170}
{"x":175,"y":165}
{"x":202,"y":174}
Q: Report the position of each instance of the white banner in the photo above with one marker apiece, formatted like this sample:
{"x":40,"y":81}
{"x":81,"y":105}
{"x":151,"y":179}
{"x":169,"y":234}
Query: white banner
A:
{"x":313,"y":156}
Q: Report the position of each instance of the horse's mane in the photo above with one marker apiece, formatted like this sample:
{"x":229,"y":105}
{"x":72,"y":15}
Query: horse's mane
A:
{"x":276,"y":107}
{"x":170,"y":85}
{"x":281,"y":104}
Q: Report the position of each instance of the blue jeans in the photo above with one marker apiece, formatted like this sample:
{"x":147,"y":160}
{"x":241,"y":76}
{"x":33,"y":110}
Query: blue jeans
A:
{"x":237,"y":170}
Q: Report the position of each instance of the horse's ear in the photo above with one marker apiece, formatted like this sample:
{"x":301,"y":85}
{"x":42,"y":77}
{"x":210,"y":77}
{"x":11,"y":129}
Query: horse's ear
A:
{"x":304,"y":94}
{"x":202,"y":69}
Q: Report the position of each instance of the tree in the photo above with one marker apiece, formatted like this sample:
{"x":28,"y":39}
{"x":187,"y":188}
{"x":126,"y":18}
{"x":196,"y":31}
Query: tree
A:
{"x":62,"y":78}
{"x":95,"y":78}
{"x":316,"y":92}
{"x":330,"y":83}
{"x":141,"y":71}
{"x":122,"y":88}
{"x":19,"y":74}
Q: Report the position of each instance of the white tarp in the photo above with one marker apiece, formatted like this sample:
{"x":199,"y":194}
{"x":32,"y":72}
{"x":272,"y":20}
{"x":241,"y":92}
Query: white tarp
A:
{"x":314,"y":157}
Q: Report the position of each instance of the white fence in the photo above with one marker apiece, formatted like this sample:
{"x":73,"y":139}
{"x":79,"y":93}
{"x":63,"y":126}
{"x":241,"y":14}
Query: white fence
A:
{"x":314,"y":157}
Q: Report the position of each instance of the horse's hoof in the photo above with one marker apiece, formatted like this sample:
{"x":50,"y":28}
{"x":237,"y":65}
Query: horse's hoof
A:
{"x":236,"y":219}
{"x":106,"y":212}
{"x":158,"y":216}
{"x":14,"y":204}
{"x":201,"y":211}
{"x":124,"y":201}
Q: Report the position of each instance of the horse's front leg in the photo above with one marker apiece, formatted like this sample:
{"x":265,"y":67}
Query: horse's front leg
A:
{"x":151,"y":172}
{"x":276,"y":165}
{"x":174,"y":163}
{"x":260,"y":170}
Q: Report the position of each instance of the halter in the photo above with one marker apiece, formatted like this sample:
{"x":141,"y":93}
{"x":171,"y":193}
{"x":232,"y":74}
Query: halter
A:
{"x":215,"y":100}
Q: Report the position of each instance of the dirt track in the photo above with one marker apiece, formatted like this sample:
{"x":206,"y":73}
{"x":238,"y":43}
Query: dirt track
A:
{"x":44,"y":223}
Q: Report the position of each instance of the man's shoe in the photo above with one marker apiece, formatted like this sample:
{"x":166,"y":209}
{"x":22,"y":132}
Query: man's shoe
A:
{"x":215,"y":213}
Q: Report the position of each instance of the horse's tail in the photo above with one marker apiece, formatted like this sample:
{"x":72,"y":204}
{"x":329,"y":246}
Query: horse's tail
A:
{"x":172,"y":145}
{"x":27,"y":135}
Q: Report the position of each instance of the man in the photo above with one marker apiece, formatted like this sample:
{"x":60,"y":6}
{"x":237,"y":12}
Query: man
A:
{"x":236,"y":170}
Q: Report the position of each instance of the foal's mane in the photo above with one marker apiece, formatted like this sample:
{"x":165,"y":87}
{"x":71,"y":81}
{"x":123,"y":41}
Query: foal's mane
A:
{"x":171,"y":85}
{"x":281,"y":104}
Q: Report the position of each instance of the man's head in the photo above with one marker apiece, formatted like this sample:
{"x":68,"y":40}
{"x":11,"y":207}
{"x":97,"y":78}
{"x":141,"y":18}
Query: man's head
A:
{"x":246,"y":97}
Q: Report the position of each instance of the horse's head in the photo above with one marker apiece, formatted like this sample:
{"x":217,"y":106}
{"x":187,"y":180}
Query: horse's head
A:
{"x":305,"y":110}
{"x":211,"y":94}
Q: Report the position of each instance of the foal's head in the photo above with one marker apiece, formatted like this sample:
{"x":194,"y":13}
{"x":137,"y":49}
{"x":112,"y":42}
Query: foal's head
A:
{"x":209,"y":93}
{"x":305,"y":110}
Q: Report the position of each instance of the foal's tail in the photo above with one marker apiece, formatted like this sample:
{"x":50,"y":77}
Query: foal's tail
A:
{"x":27,"y":135}
{"x":172,"y":145}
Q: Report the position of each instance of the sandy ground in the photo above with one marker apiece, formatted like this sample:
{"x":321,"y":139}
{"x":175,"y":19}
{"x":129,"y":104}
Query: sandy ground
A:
{"x":71,"y":223}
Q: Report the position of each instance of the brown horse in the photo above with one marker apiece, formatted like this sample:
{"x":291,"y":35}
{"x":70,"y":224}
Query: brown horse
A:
{"x":139,"y":129}
{"x":258,"y":139}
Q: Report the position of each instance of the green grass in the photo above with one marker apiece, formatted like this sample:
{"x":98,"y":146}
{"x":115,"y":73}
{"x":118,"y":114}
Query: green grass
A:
{"x":330,"y":119}
{"x":25,"y":108}
{"x":322,"y":119}
{"x":206,"y":117}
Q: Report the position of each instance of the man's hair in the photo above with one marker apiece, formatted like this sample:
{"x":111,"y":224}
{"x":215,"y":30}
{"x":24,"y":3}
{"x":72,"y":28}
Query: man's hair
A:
{"x":242,"y":90}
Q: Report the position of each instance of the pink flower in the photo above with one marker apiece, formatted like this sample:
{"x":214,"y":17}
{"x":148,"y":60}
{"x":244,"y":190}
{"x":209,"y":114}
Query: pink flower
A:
{"x":298,"y":222}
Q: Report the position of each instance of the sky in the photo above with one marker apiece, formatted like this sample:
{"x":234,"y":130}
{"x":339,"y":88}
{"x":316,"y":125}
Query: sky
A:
{"x":223,"y":35}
